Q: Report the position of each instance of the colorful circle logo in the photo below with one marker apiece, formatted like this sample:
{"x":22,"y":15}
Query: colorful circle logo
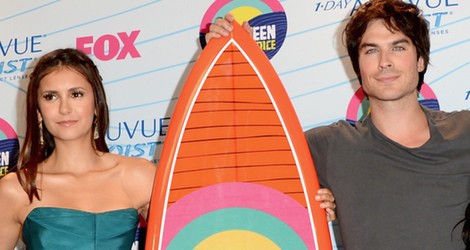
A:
{"x":9,"y":147}
{"x":240,"y":215}
{"x":358,"y":107}
{"x":266,"y":17}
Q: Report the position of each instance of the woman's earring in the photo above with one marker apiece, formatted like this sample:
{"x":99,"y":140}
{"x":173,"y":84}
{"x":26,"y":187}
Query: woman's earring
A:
{"x":96,"y":135}
{"x":41,"y":136}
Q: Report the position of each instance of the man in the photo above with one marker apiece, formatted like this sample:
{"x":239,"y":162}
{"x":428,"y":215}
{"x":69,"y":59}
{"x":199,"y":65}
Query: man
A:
{"x":401,"y":176}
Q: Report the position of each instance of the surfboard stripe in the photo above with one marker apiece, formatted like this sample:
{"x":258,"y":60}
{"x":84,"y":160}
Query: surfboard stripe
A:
{"x":234,"y":123}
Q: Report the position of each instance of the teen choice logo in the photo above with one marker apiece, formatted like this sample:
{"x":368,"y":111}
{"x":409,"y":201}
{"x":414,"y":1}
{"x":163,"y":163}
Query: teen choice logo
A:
{"x":358,"y":107}
{"x":9,"y":146}
{"x":266,"y":17}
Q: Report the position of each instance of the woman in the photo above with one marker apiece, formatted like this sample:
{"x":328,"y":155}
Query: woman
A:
{"x":69,"y":192}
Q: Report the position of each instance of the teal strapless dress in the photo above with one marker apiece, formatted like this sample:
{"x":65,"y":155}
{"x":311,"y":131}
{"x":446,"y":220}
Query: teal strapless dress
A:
{"x":61,"y":228}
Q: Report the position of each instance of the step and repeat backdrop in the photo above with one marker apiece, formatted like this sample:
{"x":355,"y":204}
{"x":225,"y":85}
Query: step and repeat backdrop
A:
{"x":145,"y":50}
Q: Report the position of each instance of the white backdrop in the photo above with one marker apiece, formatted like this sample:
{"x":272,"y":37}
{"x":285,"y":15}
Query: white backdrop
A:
{"x":145,"y":49}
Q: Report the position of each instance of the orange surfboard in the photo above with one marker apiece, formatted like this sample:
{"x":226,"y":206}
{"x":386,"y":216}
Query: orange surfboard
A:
{"x":235,"y":170}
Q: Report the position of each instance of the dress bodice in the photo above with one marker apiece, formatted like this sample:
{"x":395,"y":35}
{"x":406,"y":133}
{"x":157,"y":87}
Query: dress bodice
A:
{"x":62,"y":228}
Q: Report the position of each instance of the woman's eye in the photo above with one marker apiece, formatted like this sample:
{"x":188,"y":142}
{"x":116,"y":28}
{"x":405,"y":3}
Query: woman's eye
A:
{"x":49,"y":96}
{"x":77,"y":94}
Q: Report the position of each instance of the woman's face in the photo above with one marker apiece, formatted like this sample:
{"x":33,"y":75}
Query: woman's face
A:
{"x":66,"y":105}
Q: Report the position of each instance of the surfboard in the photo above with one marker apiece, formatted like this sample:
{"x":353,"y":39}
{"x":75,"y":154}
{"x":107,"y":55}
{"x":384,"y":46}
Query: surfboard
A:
{"x":235,"y":170}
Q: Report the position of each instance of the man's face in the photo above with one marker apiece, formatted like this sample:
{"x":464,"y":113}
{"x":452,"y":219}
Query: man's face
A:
{"x":388,"y":64}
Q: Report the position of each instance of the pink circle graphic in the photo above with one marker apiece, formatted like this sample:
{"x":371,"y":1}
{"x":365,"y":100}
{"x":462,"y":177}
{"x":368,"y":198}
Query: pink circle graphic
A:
{"x":358,"y":107}
{"x":7,"y":130}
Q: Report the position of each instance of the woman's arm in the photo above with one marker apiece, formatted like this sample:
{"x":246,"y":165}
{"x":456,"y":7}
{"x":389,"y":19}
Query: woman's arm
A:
{"x":10,"y":226}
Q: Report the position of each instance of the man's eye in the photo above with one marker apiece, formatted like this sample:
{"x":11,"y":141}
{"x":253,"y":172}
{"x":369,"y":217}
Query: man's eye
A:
{"x":371,"y":51}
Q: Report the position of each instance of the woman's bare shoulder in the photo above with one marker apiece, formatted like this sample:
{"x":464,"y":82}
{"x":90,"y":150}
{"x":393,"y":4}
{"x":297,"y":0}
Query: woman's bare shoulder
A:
{"x":12,"y":200}
{"x":9,"y":184}
{"x":132,"y":166}
{"x":11,"y":192}
{"x":137,"y":176}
